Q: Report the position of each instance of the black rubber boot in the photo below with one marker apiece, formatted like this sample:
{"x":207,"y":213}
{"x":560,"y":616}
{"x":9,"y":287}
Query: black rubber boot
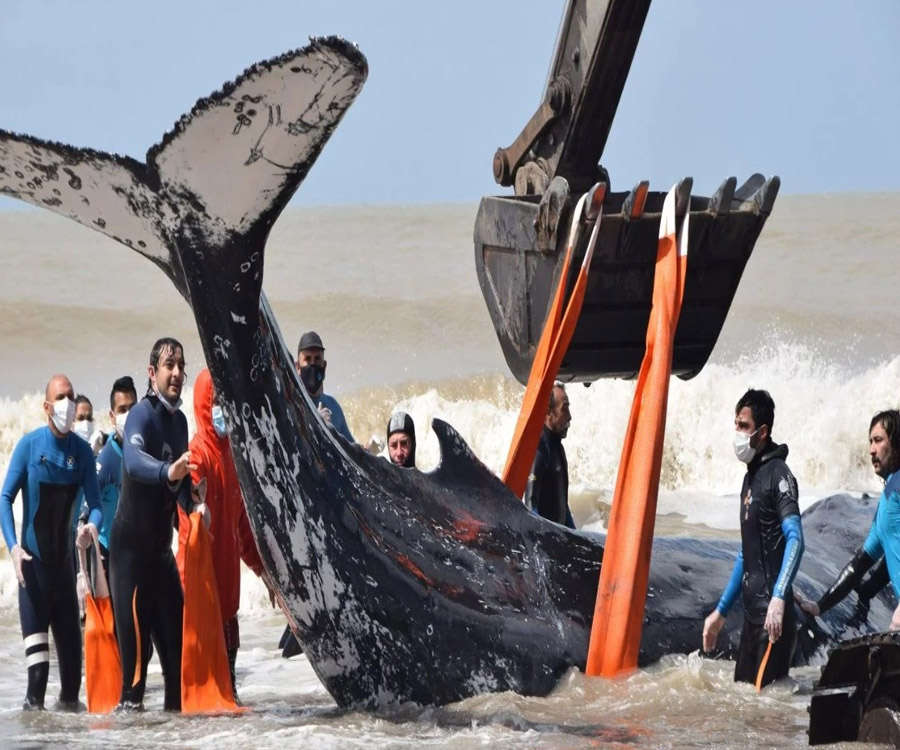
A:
{"x":37,"y":686}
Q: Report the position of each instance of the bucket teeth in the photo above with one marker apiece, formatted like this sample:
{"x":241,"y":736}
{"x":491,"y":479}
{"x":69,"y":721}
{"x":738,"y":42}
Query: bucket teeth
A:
{"x":633,"y":207}
{"x":720,"y":202}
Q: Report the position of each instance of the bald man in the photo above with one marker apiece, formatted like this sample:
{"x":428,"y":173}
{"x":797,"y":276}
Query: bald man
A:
{"x":49,"y":466}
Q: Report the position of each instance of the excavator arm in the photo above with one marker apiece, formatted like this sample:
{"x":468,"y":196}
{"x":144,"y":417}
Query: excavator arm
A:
{"x":519,"y":239}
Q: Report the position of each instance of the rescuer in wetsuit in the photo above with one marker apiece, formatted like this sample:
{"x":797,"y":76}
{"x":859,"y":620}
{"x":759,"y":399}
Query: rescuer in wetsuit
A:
{"x":122,"y":397}
{"x":547,"y":492}
{"x":401,"y":440}
{"x":144,"y":582}
{"x":50,"y":465}
{"x":771,"y":548}
{"x":883,"y":542}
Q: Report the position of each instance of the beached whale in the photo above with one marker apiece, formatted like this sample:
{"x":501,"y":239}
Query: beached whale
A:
{"x":401,"y":585}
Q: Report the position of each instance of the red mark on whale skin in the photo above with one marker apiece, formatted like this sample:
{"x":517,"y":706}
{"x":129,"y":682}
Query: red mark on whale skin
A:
{"x":413,"y":568}
{"x":467,"y":528}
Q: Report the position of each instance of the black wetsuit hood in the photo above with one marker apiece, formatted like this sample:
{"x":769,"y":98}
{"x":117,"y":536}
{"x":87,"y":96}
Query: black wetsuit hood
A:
{"x":402,"y":422}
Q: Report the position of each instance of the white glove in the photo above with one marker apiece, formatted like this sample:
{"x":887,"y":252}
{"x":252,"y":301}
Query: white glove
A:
{"x":325,"y":413}
{"x":85,"y":536}
{"x":98,"y":440}
{"x":81,"y":591}
{"x":203,"y":510}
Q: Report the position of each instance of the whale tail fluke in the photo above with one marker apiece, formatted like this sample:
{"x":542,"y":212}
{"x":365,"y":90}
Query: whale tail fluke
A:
{"x":224,"y":173}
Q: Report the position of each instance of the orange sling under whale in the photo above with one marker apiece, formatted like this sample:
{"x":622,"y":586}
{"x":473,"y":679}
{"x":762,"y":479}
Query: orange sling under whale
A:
{"x":552,"y":346}
{"x":622,"y":592}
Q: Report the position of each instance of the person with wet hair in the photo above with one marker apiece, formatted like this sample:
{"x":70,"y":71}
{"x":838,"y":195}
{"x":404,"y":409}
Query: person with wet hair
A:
{"x":547,"y":491}
{"x":144,"y":582}
{"x":883,"y":541}
{"x":50,"y":466}
{"x":401,"y":440}
{"x":771,"y":549}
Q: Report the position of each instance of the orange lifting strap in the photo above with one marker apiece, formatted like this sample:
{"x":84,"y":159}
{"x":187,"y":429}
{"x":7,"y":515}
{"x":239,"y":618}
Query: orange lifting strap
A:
{"x":102,"y":665}
{"x":552,"y":346}
{"x":622,"y":593}
{"x":205,"y":676}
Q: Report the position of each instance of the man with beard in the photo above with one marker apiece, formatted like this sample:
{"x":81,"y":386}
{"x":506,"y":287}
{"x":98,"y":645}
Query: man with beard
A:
{"x":547,"y":492}
{"x":884,"y":535}
{"x":144,"y":582}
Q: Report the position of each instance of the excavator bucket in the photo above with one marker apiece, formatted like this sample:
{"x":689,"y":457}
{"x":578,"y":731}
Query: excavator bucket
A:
{"x":520,"y":239}
{"x":518,"y":278}
{"x":857,"y":697}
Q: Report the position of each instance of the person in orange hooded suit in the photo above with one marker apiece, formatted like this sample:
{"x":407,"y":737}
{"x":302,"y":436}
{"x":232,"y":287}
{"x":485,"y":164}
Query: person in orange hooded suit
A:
{"x":232,"y":540}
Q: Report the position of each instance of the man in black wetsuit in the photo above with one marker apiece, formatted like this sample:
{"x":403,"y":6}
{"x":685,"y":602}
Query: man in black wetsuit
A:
{"x":771,"y":548}
{"x":50,"y":466}
{"x":547,"y":492}
{"x":144,"y":582}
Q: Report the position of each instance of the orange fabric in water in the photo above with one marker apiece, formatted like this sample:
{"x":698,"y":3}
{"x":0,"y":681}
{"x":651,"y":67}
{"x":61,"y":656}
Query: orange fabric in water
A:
{"x":622,"y":592}
{"x":552,"y":346}
{"x":102,"y":664}
{"x":205,"y":675}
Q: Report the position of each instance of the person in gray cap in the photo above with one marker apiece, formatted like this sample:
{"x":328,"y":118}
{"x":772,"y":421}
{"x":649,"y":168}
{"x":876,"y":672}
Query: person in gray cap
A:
{"x":401,"y":440}
{"x":311,"y":366}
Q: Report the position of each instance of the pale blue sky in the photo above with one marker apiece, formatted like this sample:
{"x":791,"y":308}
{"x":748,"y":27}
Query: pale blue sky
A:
{"x":806,"y":90}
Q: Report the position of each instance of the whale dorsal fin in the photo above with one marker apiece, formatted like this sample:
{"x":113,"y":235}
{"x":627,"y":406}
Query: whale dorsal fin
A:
{"x":242,"y":152}
{"x":461,"y":468}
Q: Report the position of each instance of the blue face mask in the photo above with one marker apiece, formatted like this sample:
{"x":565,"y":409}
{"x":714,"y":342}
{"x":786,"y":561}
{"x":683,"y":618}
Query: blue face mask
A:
{"x":218,"y":421}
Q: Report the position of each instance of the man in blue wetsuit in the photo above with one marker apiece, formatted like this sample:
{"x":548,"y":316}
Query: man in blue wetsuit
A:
{"x":883,"y":541}
{"x":109,"y":463}
{"x":49,"y":466}
{"x":144,"y":582}
{"x":311,"y":366}
{"x":771,"y":548}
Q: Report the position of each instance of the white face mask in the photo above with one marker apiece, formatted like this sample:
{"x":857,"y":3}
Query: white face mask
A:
{"x":63,"y":414}
{"x":218,"y":421}
{"x":170,"y":407}
{"x":742,"y":448}
{"x":84,"y":429}
{"x":120,"y":424}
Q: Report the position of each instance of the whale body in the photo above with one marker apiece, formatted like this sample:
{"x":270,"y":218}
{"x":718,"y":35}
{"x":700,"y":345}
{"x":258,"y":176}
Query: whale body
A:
{"x":402,"y":586}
